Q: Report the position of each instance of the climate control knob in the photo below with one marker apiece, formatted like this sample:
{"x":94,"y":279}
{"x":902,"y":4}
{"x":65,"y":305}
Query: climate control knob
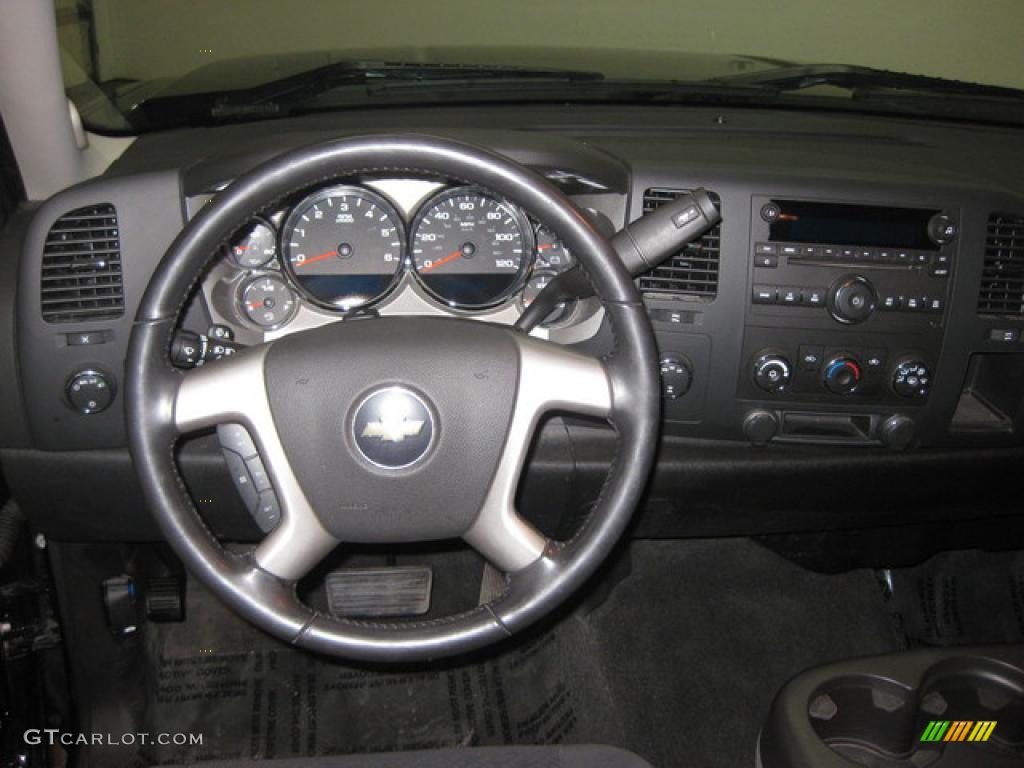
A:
{"x":772,"y":372}
{"x":842,"y":375}
{"x":852,"y":299}
{"x":911,"y":378}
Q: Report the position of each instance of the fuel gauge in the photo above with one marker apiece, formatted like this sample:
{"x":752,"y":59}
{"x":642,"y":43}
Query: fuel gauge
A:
{"x":268,"y":302}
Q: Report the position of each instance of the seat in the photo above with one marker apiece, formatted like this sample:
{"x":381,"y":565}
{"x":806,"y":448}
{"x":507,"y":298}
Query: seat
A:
{"x":580,"y":756}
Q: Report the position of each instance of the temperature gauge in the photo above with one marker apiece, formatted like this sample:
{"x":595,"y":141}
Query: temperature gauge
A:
{"x":268,"y":302}
{"x":551,"y":252}
{"x":255,"y":245}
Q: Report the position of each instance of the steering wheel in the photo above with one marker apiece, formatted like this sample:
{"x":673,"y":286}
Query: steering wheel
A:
{"x":391,"y":429}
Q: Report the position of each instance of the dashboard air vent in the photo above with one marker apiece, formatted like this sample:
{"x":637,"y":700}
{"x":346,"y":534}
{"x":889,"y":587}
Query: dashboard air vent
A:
{"x":694,"y":270}
{"x":1002,"y":277}
{"x":81,"y":277}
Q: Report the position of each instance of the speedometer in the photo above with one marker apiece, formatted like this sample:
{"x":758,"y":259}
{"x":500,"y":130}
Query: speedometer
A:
{"x":471,"y":250}
{"x":343,"y":247}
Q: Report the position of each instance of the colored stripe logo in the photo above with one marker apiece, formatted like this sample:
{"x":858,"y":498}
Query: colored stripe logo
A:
{"x":958,"y":730}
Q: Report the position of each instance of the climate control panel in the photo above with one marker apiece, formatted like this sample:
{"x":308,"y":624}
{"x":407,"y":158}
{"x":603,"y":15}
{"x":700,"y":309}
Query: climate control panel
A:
{"x":820,"y":372}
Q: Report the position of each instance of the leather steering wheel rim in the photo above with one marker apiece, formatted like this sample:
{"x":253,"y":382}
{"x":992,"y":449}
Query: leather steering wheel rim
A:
{"x":153,"y":407}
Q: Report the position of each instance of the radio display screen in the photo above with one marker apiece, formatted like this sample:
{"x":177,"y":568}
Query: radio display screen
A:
{"x":865,"y":225}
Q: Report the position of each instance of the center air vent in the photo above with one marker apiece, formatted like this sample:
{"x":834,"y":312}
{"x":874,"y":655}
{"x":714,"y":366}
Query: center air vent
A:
{"x":1002,"y":277}
{"x":694,"y":270}
{"x":81,"y":277}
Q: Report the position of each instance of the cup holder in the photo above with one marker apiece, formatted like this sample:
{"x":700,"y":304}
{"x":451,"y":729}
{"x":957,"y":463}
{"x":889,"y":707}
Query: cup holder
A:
{"x":878,"y":722}
{"x":867,"y":719}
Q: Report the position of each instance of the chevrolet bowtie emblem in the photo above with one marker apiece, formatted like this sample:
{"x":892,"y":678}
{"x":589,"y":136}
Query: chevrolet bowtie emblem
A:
{"x":393,"y":430}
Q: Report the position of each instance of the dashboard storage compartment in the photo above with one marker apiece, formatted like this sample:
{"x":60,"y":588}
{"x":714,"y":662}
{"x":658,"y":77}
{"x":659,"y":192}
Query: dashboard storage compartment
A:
{"x":938,"y":708}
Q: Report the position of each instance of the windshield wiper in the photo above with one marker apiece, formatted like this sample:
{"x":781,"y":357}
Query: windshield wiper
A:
{"x":274,"y":97}
{"x":861,"y":81}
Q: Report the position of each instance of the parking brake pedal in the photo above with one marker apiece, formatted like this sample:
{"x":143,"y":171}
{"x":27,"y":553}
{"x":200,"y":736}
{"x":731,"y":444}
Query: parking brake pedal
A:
{"x":388,"y":591}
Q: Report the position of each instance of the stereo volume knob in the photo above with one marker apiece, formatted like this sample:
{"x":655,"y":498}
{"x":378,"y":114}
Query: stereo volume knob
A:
{"x":852,"y":299}
{"x":772,"y":372}
{"x":842,"y":375}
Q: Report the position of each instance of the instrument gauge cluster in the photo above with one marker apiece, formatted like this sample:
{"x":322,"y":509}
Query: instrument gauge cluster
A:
{"x":348,"y":247}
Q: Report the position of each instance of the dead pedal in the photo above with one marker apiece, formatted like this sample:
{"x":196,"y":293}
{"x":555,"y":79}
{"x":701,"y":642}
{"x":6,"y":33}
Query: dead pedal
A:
{"x":385,"y":591}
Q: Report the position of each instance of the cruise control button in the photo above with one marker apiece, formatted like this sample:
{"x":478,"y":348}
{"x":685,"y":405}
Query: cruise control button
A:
{"x":765,"y":294}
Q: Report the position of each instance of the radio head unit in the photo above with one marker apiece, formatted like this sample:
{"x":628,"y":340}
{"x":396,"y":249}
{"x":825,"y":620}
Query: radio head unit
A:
{"x":801,"y":221}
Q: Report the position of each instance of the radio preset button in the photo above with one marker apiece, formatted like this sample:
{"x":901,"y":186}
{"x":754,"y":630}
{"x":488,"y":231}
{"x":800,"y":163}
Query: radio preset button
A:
{"x":790,"y":296}
{"x":769,"y":248}
{"x":814,"y":297}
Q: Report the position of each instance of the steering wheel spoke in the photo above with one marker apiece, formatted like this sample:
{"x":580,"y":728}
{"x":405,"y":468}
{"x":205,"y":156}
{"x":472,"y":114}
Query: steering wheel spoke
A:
{"x":551,"y":378}
{"x":233,"y":390}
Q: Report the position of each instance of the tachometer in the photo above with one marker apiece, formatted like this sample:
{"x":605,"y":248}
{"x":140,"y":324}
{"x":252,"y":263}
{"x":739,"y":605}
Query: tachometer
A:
{"x":471,"y":250}
{"x":343,"y":247}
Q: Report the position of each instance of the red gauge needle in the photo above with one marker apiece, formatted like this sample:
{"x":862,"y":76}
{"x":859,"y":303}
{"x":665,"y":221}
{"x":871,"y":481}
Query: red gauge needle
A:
{"x":314,"y":259}
{"x":440,"y":262}
{"x":545,"y":247}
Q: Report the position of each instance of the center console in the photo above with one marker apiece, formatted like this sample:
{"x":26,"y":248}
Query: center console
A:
{"x":847,"y":309}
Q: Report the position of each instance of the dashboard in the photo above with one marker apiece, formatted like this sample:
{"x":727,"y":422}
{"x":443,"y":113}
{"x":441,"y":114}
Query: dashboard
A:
{"x":857,"y":315}
{"x":388,"y":246}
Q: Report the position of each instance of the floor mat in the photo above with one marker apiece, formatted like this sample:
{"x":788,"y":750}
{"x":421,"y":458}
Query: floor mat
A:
{"x":252,"y":697}
{"x":678,"y":661}
{"x":960,"y":598}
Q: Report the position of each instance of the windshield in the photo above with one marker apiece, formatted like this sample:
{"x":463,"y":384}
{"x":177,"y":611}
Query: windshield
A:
{"x":139,"y":65}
